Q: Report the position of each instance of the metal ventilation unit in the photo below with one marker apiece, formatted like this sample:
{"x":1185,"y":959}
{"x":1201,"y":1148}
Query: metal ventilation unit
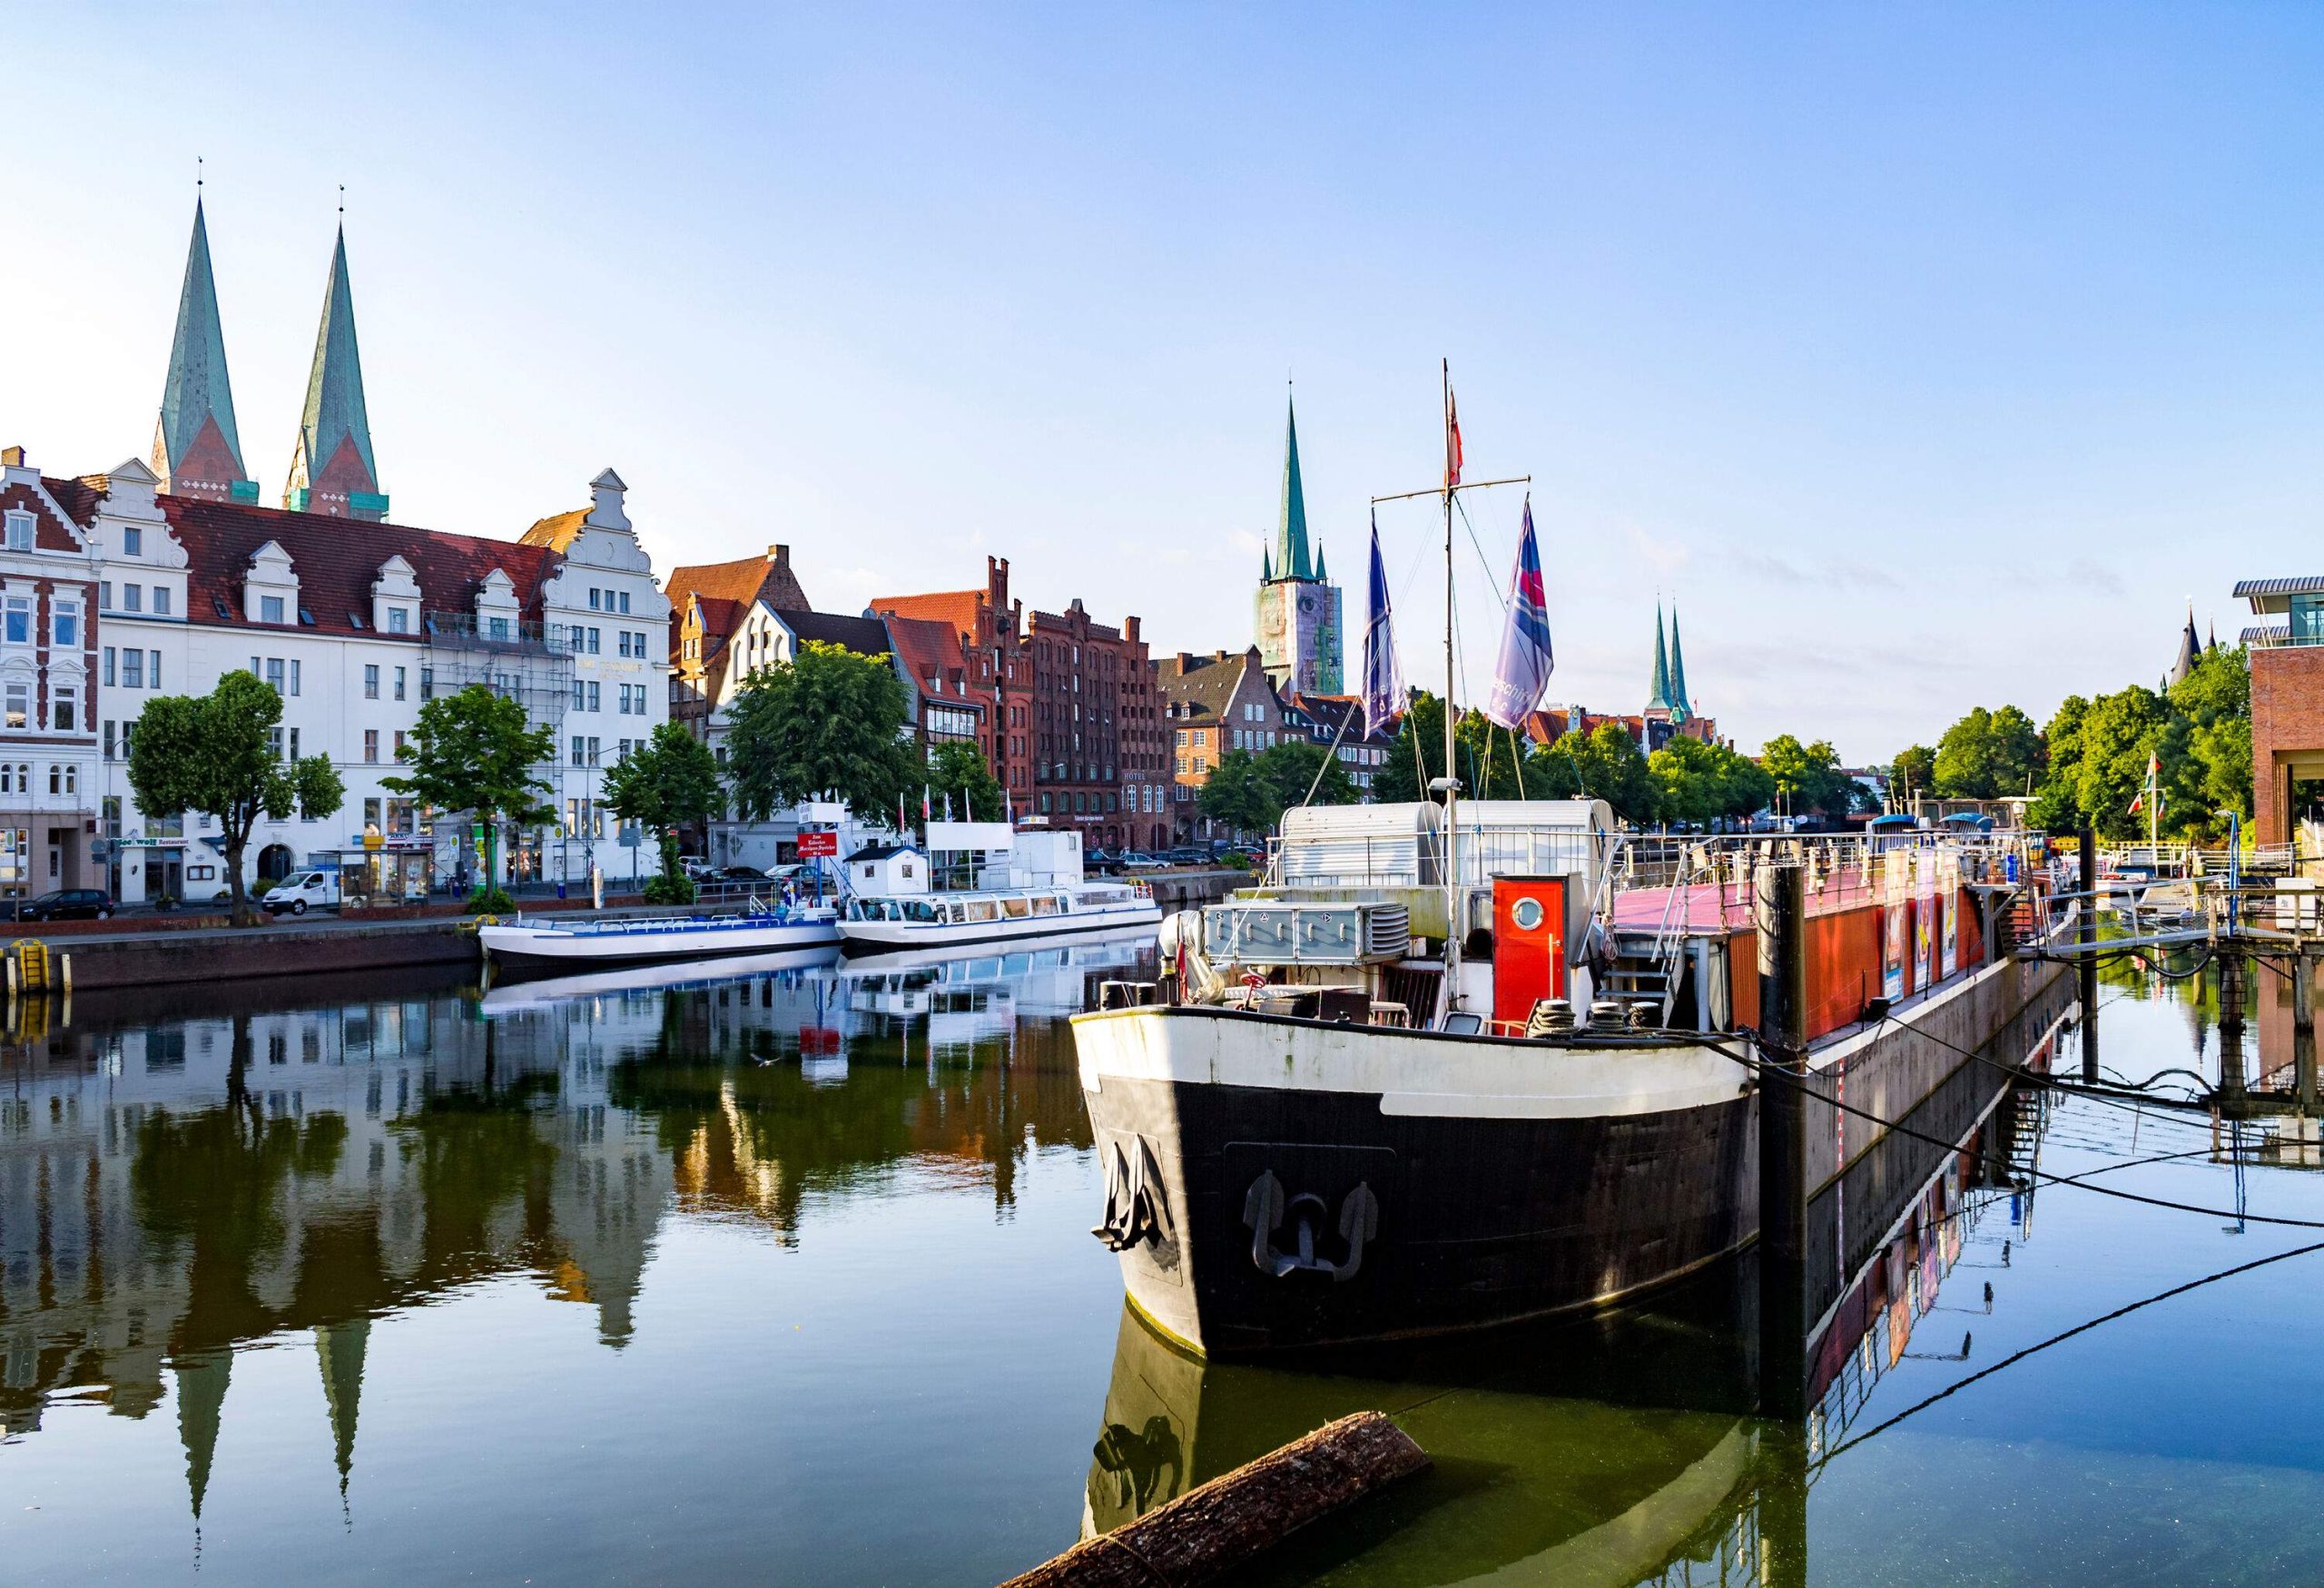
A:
{"x":1273,"y":933}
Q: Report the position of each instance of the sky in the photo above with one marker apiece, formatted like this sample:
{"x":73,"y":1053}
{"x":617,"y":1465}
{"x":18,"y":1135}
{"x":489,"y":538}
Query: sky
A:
{"x":1923,"y":357}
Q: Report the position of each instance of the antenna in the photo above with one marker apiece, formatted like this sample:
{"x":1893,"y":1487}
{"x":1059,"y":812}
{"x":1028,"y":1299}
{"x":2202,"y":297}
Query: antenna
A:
{"x":342,"y":202}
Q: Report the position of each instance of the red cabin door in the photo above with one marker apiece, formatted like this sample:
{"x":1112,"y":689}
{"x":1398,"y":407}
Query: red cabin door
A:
{"x":1528,"y":945}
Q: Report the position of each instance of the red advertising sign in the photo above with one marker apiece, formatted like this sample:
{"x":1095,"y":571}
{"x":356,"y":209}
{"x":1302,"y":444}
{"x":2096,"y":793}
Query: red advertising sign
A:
{"x":814,"y":845}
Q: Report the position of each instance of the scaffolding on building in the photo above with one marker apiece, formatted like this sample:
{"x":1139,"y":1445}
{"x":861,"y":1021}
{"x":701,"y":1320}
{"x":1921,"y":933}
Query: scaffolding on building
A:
{"x":533,"y":667}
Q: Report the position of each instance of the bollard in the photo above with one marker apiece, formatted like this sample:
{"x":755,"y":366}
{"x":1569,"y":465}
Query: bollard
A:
{"x":1781,"y":905}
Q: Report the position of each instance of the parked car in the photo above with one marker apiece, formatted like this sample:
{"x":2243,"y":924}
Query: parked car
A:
{"x":698,"y":869}
{"x":1132,"y":860}
{"x":302,"y":891}
{"x":1186,"y":855}
{"x":1101,"y":862}
{"x":67,"y":905}
{"x":742,"y":873}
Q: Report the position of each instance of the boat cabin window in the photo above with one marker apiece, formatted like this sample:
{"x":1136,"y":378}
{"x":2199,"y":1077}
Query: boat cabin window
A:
{"x":1014,"y":908}
{"x":1461,"y":1024}
{"x":1046,"y":904}
{"x":981,"y":910}
{"x":921,"y":909}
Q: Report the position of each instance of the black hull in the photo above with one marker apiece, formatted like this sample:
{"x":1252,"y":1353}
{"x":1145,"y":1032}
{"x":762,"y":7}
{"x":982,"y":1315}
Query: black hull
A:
{"x":1479,"y":1222}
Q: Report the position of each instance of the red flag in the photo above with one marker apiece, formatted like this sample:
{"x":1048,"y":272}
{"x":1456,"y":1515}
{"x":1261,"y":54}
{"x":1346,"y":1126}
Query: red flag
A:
{"x":1451,"y":440}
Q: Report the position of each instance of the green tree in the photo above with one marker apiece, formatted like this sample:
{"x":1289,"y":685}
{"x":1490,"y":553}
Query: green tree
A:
{"x":1696,"y":781}
{"x":1239,"y":794}
{"x":1808,"y":778}
{"x":665,"y":782}
{"x":2118,"y":733}
{"x":827,"y":722}
{"x":213,"y":754}
{"x":474,"y":752}
{"x":1399,"y":779}
{"x":1608,"y":765}
{"x":957,"y":770}
{"x":1914,"y":772}
{"x":2215,"y":700}
{"x":1291,"y":768}
{"x":2057,"y":804}
{"x":1989,"y":753}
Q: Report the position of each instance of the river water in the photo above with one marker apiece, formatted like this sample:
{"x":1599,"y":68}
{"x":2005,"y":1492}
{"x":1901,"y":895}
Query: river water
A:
{"x":784,"y":1276}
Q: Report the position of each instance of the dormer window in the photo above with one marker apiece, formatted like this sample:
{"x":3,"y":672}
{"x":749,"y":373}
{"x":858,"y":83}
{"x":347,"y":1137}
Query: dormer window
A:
{"x":20,"y":531}
{"x":398,"y":620}
{"x":270,"y":608}
{"x":133,"y":540}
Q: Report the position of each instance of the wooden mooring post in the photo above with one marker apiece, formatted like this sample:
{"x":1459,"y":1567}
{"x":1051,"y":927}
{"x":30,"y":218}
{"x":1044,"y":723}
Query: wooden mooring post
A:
{"x":1212,"y":1529}
{"x":1781,"y":905}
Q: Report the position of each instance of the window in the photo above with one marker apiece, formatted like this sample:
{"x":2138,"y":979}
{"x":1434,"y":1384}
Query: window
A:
{"x":274,"y":674}
{"x":270,"y":608}
{"x":428,"y":683}
{"x":496,"y":629}
{"x":596,"y":696}
{"x":400,"y":674}
{"x":370,"y":744}
{"x":580,"y":747}
{"x":398,"y":620}
{"x":625,"y":603}
{"x":55,"y":778}
{"x":597,"y":598}
{"x":399,"y":743}
{"x":593,"y":752}
{"x":294,"y":744}
{"x":580,"y":695}
{"x":20,"y":532}
{"x":66,"y":700}
{"x":18,"y":621}
{"x":274,"y":742}
{"x":64,"y":624}
{"x":152,"y":669}
{"x":108,"y":667}
{"x":132,"y":597}
{"x":622,"y":642}
{"x":17,"y":714}
{"x":294,"y":674}
{"x":132,"y":668}
{"x":371,"y":680}
{"x":160,"y":600}
{"x":105,"y":595}
{"x":596,"y":640}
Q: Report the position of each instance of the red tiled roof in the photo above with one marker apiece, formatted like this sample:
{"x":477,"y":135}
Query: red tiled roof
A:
{"x":337,"y":560}
{"x":745,"y":580}
{"x":956,"y":609}
{"x":927,"y":646}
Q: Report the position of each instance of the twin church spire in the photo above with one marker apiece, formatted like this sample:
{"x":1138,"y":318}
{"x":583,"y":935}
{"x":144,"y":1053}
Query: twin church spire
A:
{"x":1669,"y":692}
{"x":197,"y":448}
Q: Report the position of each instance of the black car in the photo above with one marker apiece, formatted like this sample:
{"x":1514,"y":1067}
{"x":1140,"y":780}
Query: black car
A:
{"x":67,"y":905}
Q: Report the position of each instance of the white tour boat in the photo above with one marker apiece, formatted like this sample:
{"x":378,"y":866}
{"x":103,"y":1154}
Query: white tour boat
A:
{"x":539,"y":945}
{"x":980,"y":883}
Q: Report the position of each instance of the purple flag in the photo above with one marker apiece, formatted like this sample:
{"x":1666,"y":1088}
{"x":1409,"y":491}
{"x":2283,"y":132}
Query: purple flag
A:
{"x":1524,"y":671}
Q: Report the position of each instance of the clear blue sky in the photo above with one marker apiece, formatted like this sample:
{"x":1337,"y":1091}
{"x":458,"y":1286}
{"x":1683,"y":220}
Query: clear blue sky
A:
{"x":1927,"y":357}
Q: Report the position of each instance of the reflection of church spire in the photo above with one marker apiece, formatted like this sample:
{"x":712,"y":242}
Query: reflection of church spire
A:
{"x":202,"y":1394}
{"x":341,"y":1345}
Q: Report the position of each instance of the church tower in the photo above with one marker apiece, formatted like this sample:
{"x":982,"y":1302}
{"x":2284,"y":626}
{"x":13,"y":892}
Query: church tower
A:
{"x":197,"y":452}
{"x":332,"y":471}
{"x":1298,"y":607}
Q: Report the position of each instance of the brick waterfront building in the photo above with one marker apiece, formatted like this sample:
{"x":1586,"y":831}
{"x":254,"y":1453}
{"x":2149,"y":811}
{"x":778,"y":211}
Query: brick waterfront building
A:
{"x":1212,"y":705}
{"x":2287,"y":662}
{"x":1097,"y":733}
{"x":990,"y":628}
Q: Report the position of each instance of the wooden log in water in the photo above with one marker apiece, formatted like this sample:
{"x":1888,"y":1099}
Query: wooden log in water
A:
{"x":1225,"y":1522}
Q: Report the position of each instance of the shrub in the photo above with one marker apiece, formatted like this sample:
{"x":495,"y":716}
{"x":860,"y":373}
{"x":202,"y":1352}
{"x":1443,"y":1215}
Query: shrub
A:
{"x":491,"y":902}
{"x":669,"y":888}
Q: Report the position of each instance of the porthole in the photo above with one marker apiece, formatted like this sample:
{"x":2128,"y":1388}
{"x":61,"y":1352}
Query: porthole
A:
{"x":1526,"y":914}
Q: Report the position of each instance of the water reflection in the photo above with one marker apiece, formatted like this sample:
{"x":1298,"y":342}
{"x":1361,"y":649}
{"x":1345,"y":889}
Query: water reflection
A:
{"x":180,"y":1177}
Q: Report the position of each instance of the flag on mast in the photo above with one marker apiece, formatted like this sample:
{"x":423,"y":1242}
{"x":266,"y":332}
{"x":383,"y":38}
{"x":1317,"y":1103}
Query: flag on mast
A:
{"x":926,"y":811}
{"x":1451,"y":439}
{"x":1384,"y":698}
{"x":1526,"y":659}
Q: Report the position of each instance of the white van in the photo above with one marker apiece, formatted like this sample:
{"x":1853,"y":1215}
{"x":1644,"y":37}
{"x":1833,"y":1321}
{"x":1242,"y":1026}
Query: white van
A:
{"x":302,"y":891}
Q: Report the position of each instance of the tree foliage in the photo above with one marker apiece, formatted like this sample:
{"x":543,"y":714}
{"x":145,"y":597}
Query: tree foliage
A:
{"x":1808,"y":778}
{"x":666,"y":782}
{"x":1701,"y":783}
{"x":1250,"y":793}
{"x":957,"y":772}
{"x":213,"y":754}
{"x":1608,"y":765}
{"x":1236,"y":793}
{"x":476,"y":751}
{"x":1914,"y":772}
{"x":2198,"y":731}
{"x":828,"y":722}
{"x":1989,"y":753}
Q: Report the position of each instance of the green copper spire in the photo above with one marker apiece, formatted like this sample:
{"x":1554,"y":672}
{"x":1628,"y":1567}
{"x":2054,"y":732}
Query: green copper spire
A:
{"x":1679,"y":707}
{"x":196,"y":448}
{"x":201,"y":1397}
{"x":1661,"y":698}
{"x":341,"y":1347}
{"x":1291,"y":532}
{"x":333,"y":471}
{"x":1321,"y":577}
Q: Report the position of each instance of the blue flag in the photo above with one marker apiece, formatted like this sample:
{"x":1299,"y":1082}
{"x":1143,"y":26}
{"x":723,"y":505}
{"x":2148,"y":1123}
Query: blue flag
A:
{"x":1524,"y":671}
{"x":1384,"y":698}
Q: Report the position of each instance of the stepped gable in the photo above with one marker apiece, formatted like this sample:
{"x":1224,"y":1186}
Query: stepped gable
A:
{"x":336,"y":569}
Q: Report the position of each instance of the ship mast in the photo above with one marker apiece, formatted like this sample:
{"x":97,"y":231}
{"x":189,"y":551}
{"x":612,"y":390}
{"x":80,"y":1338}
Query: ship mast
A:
{"x":1450,"y":487}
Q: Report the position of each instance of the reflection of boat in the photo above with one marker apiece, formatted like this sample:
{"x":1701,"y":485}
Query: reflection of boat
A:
{"x":669,"y":937}
{"x":1111,"y":948}
{"x":1527,"y":1487}
{"x":541,"y":993}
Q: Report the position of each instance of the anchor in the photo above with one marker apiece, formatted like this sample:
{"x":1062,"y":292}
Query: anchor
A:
{"x":1136,"y":1208}
{"x":1264,"y":1210}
